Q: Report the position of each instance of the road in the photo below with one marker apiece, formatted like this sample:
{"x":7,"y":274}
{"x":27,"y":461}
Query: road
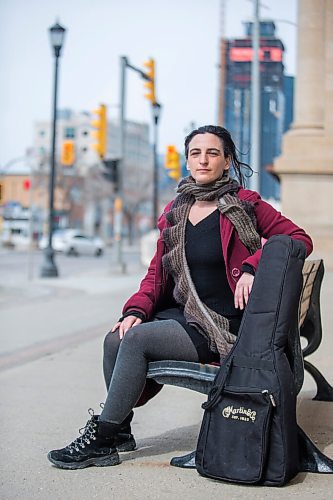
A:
{"x":43,"y":315}
{"x":20,"y":264}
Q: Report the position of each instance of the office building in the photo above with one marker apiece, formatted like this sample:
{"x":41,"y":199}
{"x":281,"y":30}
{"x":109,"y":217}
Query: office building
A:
{"x":276,"y":99}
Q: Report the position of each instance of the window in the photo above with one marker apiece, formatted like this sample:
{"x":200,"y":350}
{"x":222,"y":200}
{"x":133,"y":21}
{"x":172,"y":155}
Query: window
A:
{"x":267,"y":55}
{"x":69,"y":133}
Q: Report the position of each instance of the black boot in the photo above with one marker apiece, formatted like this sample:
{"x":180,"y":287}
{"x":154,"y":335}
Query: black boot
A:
{"x":94,"y":446}
{"x":124,"y":439}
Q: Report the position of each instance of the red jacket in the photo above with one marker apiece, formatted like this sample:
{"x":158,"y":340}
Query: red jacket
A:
{"x":156,"y":289}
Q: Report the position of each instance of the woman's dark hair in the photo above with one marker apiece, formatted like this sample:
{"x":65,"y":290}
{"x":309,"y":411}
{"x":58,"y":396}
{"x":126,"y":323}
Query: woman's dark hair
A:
{"x":240,"y":168}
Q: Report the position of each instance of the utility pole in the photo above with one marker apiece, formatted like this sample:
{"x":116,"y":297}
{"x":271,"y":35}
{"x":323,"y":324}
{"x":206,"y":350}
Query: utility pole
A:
{"x":222,"y":65}
{"x":255,"y":101}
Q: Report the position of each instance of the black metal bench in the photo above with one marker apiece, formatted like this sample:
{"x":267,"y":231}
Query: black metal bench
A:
{"x":199,"y":377}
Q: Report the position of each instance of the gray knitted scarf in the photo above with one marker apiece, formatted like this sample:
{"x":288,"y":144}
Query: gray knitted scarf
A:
{"x":241,"y":214}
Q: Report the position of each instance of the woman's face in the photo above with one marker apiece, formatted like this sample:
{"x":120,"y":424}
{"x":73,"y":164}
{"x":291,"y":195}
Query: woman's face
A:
{"x":206,"y":160}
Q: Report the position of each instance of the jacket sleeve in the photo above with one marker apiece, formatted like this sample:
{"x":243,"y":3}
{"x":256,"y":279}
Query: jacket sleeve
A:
{"x":271,"y":222}
{"x":144,"y":299}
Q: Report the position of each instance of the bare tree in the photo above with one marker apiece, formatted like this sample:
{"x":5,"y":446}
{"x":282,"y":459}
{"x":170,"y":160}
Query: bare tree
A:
{"x":137,"y":192}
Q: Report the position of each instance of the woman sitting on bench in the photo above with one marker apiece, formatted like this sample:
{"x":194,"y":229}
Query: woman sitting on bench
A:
{"x":190,"y":303}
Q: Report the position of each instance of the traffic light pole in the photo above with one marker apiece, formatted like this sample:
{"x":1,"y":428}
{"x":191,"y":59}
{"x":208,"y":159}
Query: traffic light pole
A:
{"x":118,"y":204}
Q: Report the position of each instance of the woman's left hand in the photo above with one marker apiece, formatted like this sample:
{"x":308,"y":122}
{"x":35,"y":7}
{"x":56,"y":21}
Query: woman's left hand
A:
{"x":243,"y":290}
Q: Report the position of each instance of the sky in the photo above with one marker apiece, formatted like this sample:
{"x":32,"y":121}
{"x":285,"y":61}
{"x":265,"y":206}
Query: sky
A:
{"x":181,"y":35}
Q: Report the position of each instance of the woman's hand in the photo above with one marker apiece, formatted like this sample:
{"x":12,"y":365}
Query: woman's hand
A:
{"x":126,"y":324}
{"x":243,"y":290}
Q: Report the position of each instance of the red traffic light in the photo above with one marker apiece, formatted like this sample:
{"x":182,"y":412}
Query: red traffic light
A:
{"x":26,"y":184}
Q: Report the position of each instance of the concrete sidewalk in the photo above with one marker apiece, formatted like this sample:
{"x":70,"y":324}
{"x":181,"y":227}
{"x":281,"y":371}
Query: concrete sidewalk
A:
{"x":46,"y":313}
{"x":45,"y":402}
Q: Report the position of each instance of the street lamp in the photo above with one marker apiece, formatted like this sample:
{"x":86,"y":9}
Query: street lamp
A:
{"x":156,"y":108}
{"x":49,"y":269}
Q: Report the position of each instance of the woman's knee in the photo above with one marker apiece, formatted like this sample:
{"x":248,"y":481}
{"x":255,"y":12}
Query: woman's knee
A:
{"x":111,"y":342}
{"x":134,"y":335}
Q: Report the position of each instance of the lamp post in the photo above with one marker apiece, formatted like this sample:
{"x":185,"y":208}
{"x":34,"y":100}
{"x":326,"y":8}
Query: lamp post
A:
{"x":49,"y":269}
{"x":156,"y":108}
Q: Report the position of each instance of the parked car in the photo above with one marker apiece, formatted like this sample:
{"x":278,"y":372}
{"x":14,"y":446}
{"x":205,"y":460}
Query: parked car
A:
{"x":74,"y":242}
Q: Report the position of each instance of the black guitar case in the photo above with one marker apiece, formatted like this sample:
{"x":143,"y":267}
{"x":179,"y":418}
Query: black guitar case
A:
{"x":249,"y":430}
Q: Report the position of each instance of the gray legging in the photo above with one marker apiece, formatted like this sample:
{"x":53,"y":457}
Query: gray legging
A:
{"x":125,"y":362}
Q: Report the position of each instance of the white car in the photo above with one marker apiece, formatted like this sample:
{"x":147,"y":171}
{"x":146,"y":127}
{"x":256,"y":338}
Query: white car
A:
{"x":74,"y":242}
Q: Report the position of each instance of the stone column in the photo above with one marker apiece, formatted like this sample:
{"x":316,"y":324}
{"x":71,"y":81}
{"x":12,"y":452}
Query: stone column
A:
{"x":306,"y":164}
{"x":310,"y":66}
{"x":329,"y":70}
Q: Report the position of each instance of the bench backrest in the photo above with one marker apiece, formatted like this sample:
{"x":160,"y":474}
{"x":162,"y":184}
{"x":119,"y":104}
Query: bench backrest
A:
{"x":309,"y":317}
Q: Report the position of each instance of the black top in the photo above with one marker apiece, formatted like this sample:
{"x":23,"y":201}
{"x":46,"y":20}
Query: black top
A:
{"x":204,"y":256}
{"x":207,"y":267}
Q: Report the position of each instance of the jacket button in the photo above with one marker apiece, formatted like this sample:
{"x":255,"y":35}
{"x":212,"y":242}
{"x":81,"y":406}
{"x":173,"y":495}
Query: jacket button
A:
{"x":235,"y":272}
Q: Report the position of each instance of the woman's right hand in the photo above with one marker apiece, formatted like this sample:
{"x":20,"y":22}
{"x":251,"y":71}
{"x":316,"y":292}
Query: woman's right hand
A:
{"x":126,"y":324}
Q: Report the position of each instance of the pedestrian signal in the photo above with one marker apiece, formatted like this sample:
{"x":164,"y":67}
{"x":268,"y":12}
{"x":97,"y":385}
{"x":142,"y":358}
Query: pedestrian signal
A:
{"x":26,"y":184}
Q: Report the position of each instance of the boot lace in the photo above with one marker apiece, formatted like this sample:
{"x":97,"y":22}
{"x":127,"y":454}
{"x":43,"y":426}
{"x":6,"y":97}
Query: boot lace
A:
{"x":87,"y":434}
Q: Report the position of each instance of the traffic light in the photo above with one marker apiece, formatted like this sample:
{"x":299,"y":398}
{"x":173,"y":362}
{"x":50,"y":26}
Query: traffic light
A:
{"x":67,"y":153}
{"x":172,"y":163}
{"x":150,"y":83}
{"x":100,"y":134}
{"x":26,"y":184}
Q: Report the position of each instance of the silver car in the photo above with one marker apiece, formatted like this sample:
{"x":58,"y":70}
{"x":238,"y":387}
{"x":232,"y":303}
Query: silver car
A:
{"x":74,"y":242}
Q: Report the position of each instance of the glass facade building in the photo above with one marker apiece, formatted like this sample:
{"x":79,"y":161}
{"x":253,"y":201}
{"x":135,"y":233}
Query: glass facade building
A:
{"x":276,"y":99}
